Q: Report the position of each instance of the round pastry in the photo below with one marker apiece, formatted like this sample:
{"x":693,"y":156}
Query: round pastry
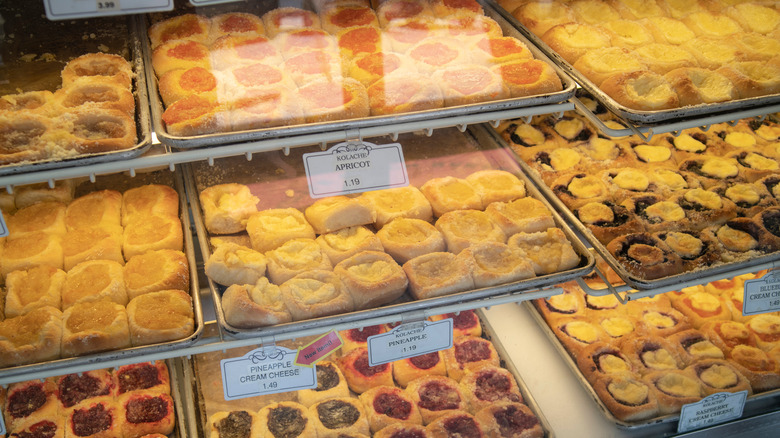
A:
{"x":182,"y":27}
{"x":232,"y":51}
{"x":577,"y":333}
{"x":235,"y":23}
{"x":697,"y":250}
{"x":718,"y":375}
{"x":726,"y":335}
{"x":74,"y":388}
{"x":528,"y":77}
{"x":227,"y":207}
{"x":599,"y":64}
{"x":661,"y":321}
{"x":160,"y":317}
{"x":407,"y":238}
{"x":740,"y":237}
{"x":359,"y":40}
{"x":194,"y":115}
{"x":576,"y":190}
{"x":539,"y":17}
{"x":403,"y":34}
{"x":572,"y":40}
{"x":147,"y":414}
{"x":94,"y":326}
{"x":754,"y":165}
{"x":27,"y":401}
{"x":496,"y":186}
{"x":337,"y":18}
{"x":464,"y":228}
{"x":287,"y":19}
{"x":149,"y":377}
{"x":674,"y":388}
{"x":766,"y":327}
{"x":711,"y":52}
{"x":32,"y":288}
{"x":359,"y":375}
{"x":330,"y":384}
{"x":549,"y":251}
{"x":22,"y":136}
{"x":231,"y":263}
{"x":404,"y":92}
{"x":392,"y":11}
{"x":757,"y":366}
{"x":449,"y":193}
{"x":493,"y":263}
{"x":371,"y":67}
{"x":627,"y":397}
{"x":641,"y":90}
{"x":400,"y":202}
{"x":180,"y":54}
{"x":239,"y":81}
{"x":663,"y":58}
{"x":437,"y":53}
{"x":152,"y":233}
{"x":617,"y":326}
{"x":294,"y":257}
{"x":601,"y":359}
{"x":645,"y":256}
{"x":527,"y":215}
{"x":503,"y":419}
{"x":387,"y":405}
{"x":436,"y":274}
{"x":315,"y":293}
{"x":372,"y":278}
{"x":488,"y":384}
{"x":409,"y":369}
{"x":701,"y":307}
{"x":669,"y":30}
{"x":90,"y":132}
{"x":499,"y":50}
{"x":242,"y":423}
{"x":464,"y":323}
{"x":627,"y":33}
{"x":358,"y":337}
{"x":468,"y":353}
{"x":470,"y":83}
{"x":305,"y":40}
{"x":457,"y":423}
{"x":570,"y":303}
{"x":607,"y":220}
{"x":436,"y":396}
{"x":253,"y":305}
{"x":752,"y":78}
{"x":750,"y":199}
{"x":98,"y":65}
{"x":401,"y":430}
{"x":693,"y":346}
{"x":269,"y":229}
{"x":651,"y":353}
{"x":286,"y":419}
{"x":320,"y":103}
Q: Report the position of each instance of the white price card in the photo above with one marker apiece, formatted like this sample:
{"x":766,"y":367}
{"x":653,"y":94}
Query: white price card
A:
{"x":355,"y":167}
{"x":70,"y":9}
{"x":409,"y":340}
{"x":265,"y":371}
{"x":3,"y":226}
{"x":762,"y":295}
{"x":711,"y":410}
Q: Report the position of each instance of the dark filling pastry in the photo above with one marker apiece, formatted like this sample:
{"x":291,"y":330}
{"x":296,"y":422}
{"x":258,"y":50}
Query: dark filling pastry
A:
{"x":471,"y":351}
{"x":687,"y":205}
{"x":337,"y":414}
{"x":770,"y":184}
{"x":518,"y":140}
{"x":595,"y":307}
{"x":461,"y":427}
{"x":425,"y":361}
{"x":557,"y":310}
{"x":463,"y":320}
{"x":624,"y":403}
{"x":771,"y":221}
{"x":238,"y":424}
{"x":650,"y":347}
{"x":698,"y":136}
{"x":74,"y":388}
{"x":358,"y":335}
{"x":701,"y":369}
{"x":564,"y":329}
{"x":745,"y":225}
{"x":705,"y":247}
{"x":647,"y":252}
{"x":694,"y":167}
{"x":407,"y":433}
{"x":146,"y":410}
{"x":286,"y":422}
{"x":361,"y":365}
{"x":327,"y":377}
{"x":564,"y":189}
{"x":142,"y":376}
{"x":392,"y":405}
{"x":42,"y":429}
{"x":437,"y":396}
{"x":24,"y":402}
{"x":492,"y":386}
{"x":641,"y":204}
{"x":543,"y":158}
{"x":511,"y":419}
{"x":755,"y":124}
{"x":597,"y":357}
{"x":90,"y":421}
{"x":670,"y":317}
{"x":688,"y":342}
{"x":741,"y":159}
{"x":619,"y":213}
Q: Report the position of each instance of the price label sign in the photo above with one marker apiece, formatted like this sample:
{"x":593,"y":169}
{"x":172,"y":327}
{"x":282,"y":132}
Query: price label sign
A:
{"x":762,"y":295}
{"x":355,"y":167}
{"x":265,"y":371}
{"x":70,"y":9}
{"x":409,"y":340}
{"x":711,"y":410}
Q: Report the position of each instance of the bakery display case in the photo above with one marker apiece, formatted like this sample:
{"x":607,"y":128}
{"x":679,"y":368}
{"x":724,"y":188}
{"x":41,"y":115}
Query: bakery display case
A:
{"x":268,"y":160}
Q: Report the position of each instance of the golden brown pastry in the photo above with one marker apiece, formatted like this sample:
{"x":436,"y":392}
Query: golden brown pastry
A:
{"x":467,"y":353}
{"x":96,"y":94}
{"x":757,"y":366}
{"x":32,"y":337}
{"x":388,"y":405}
{"x":487,"y":384}
{"x":693,"y":346}
{"x":645,"y":256}
{"x":390,"y":204}
{"x":493,"y":263}
{"x":227,"y":207}
{"x":195,"y":115}
{"x":150,"y":199}
{"x":32,"y":250}
{"x":285,"y":19}
{"x":338,"y":212}
{"x":402,"y":91}
{"x":99,"y":66}
{"x":315,"y":293}
{"x":94,"y":326}
{"x":359,"y":375}
{"x":337,"y":416}
{"x":27,"y":403}
{"x":577,"y":333}
{"x":321,"y":104}
{"x":254,"y":305}
{"x":346,"y":242}
{"x":330,"y":384}
{"x":244,"y":422}
{"x":97,"y":209}
{"x":429,"y":364}
{"x":372,"y":278}
{"x":599,"y":64}
{"x":286,"y":418}
{"x":92,"y":280}
{"x":627,"y":397}
{"x":436,"y":274}
{"x":295,"y":257}
{"x":188,"y":26}
{"x":436,"y":396}
{"x":160,"y":317}
{"x":269,"y":229}
{"x":576,"y":190}
{"x":571,"y":40}
{"x":549,"y":251}
{"x":32,"y":288}
{"x":718,"y":376}
{"x":601,"y":359}
{"x":570,"y":303}
{"x":449,"y":193}
{"x":641,"y":90}
{"x":46,"y":217}
{"x":727,"y":335}
{"x":29,"y":194}
{"x":152,"y":233}
{"x":464,"y":228}
{"x":540,"y":17}
{"x":650,"y":353}
{"x":407,"y":238}
{"x":528,"y":215}
{"x":231,"y":263}
{"x":766,"y":327}
{"x":696,"y":86}
{"x":509,"y":419}
{"x":674,"y":388}
{"x":606,"y":220}
{"x":99,"y":243}
{"x":180,"y":54}
{"x":235,"y":23}
{"x":177,"y":84}
{"x":528,"y":77}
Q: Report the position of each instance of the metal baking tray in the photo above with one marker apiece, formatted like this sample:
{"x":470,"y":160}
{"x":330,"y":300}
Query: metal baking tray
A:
{"x":346,"y":125}
{"x":630,"y":279}
{"x":755,"y":404}
{"x":50,"y":45}
{"x":447,"y":153}
{"x":643,"y":118}
{"x":202,"y":369}
{"x":122,"y":182}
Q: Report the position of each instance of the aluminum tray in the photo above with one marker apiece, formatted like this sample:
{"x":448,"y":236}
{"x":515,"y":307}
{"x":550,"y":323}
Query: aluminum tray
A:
{"x":644,"y":118}
{"x":208,"y":365}
{"x":755,"y":404}
{"x":122,"y":182}
{"x":447,"y":153}
{"x":348,"y":125}
{"x":630,"y":279}
{"x":64,"y":40}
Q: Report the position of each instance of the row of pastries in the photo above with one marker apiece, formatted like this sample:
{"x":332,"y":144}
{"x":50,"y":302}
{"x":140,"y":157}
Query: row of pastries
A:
{"x":694,"y":200}
{"x":450,"y":235}
{"x":101,"y":272}
{"x":460,"y":391}
{"x":650,"y":356}
{"x":651,"y":56}
{"x":238,"y":71}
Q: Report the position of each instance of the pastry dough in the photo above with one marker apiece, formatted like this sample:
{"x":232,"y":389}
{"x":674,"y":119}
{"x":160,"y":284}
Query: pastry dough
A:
{"x":269,"y":229}
{"x":469,"y":84}
{"x":182,"y":27}
{"x":148,"y":415}
{"x":337,"y":212}
{"x":496,"y":186}
{"x":651,"y":353}
{"x":98,"y":66}
{"x":99,"y":417}
{"x":339,"y":416}
{"x":436,"y":274}
{"x":401,"y":202}
{"x":539,"y":17}
{"x":294,"y":257}
{"x":449,"y":193}
{"x":264,"y":107}
{"x":74,"y":388}
{"x":235,"y":51}
{"x":322,"y":103}
{"x":30,"y":289}
{"x":160,"y":317}
{"x":402,"y":92}
{"x":93,"y":94}
{"x":693,"y":346}
{"x":757,"y":366}
{"x":718,"y":376}
{"x":286,"y":418}
{"x":674,"y":388}
{"x":469,"y":353}
{"x":727,"y":335}
{"x":359,"y":375}
{"x":528,"y":77}
{"x":92,"y":280}
{"x":32,"y":337}
{"x":499,"y":50}
{"x":254,"y":305}
{"x":46,"y":217}
{"x":231,"y":263}
{"x":571,"y":40}
{"x":487,"y":384}
{"x":641,"y":90}
{"x":602,"y":359}
{"x":84,"y":244}
{"x":245,"y":423}
{"x":149,"y":377}
{"x":346,"y":242}
{"x":766,"y":327}
{"x":509,"y":419}
{"x":464,"y":228}
{"x":314,"y":294}
{"x":494,"y":263}
{"x":180,"y":54}
{"x":372,"y":278}
{"x":27,"y":403}
{"x":150,"y":199}
{"x":644,"y":256}
{"x":627,"y":397}
{"x":152,"y":233}
{"x":436,"y":396}
{"x":287,"y":19}
{"x":599,"y":64}
{"x":94,"y":326}
{"x":155,"y":271}
{"x":429,"y":364}
{"x":27,"y":195}
{"x":398,"y":430}
{"x":701,"y":307}
{"x":752,"y":78}
{"x":330,"y":384}
{"x":194,"y":115}
{"x":407,"y":238}
{"x":696,"y":86}
{"x":526,"y":214}
{"x":358,"y":337}
{"x":227,"y":207}
{"x":576,"y":333}
{"x":235,"y":23}
{"x":388,"y":405}
{"x":549,"y":251}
